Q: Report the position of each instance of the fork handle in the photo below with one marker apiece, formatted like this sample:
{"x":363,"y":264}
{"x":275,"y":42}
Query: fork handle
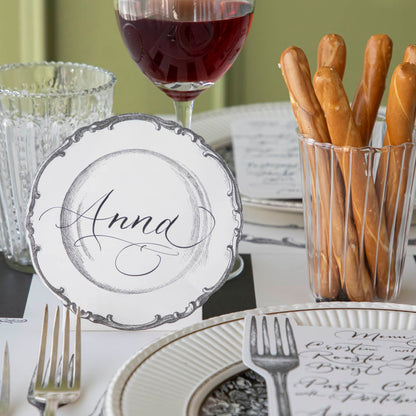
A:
{"x":278,"y":397}
{"x":51,"y":407}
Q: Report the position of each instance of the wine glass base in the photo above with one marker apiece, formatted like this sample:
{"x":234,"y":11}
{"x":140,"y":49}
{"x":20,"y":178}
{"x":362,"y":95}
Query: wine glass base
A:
{"x":183,"y":91}
{"x":237,"y":268}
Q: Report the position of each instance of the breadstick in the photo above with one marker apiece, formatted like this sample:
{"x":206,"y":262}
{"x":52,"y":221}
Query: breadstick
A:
{"x":400,"y":116}
{"x":401,"y":105}
{"x":370,"y":90}
{"x":345,"y":242}
{"x":392,"y":183}
{"x":325,"y":277}
{"x":332,"y":52}
{"x":327,"y":280}
{"x":370,"y":223}
{"x":311,"y":123}
{"x":410,"y":54}
{"x":296,"y":73}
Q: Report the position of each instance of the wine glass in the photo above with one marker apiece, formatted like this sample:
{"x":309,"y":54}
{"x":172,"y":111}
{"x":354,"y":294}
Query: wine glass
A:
{"x":184,"y":46}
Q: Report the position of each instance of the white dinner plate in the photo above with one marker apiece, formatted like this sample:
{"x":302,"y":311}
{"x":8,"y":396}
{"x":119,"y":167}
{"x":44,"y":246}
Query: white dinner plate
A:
{"x":174,"y":375}
{"x":214,"y":127}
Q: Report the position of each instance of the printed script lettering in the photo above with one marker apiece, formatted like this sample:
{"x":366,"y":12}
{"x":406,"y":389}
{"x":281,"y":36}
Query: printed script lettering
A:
{"x":356,"y":373}
{"x":142,"y":239}
{"x":266,"y":158}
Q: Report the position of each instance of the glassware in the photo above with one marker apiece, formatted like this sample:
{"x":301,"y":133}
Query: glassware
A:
{"x":358,"y":205}
{"x":40,"y":105}
{"x":184,"y":46}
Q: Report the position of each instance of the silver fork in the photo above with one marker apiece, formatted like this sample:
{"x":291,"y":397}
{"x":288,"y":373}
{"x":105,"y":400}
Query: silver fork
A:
{"x":56,"y":386}
{"x":5,"y":383}
{"x":41,"y":405}
{"x":273,"y":366}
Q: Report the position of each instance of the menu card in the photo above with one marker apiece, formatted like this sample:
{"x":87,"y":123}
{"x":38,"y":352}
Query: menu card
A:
{"x":352,"y":372}
{"x":266,"y":158}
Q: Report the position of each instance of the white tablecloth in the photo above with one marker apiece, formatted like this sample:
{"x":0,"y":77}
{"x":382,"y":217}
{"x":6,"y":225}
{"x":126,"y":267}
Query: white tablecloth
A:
{"x":280,"y":277}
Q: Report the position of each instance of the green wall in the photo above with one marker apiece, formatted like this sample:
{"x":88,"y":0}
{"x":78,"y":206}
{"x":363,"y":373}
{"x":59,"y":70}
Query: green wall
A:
{"x":86,"y":31}
{"x":9,"y":31}
{"x":279,"y":24}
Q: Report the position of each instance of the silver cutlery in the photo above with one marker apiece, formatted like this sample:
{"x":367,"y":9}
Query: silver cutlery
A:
{"x":40,"y":405}
{"x":34,"y":402}
{"x":272,"y":362}
{"x":5,"y":383}
{"x":59,"y":383}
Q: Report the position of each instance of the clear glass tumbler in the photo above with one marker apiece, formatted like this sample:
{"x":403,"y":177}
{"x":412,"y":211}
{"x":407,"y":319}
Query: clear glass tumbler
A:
{"x":40,"y":105}
{"x":358,"y":205}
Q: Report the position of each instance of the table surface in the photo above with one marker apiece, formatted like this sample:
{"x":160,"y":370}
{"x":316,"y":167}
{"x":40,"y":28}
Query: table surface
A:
{"x":274,"y":274}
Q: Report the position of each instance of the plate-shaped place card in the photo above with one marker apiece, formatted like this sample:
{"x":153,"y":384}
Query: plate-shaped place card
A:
{"x":135,"y":220}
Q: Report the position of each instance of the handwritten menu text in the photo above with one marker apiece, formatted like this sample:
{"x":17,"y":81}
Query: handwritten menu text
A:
{"x":354,"y":372}
{"x":266,"y":158}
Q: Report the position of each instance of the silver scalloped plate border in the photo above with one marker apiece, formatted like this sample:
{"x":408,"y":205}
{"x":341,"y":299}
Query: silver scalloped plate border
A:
{"x":206,"y":150}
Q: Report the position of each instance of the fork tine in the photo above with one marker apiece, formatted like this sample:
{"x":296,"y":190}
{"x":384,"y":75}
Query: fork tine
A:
{"x":291,"y":339}
{"x":77,"y":367}
{"x":30,"y":393}
{"x":71,"y":371}
{"x":42,"y":349}
{"x":65,"y":351}
{"x":278,"y":337}
{"x":54,"y":349}
{"x":5,"y":378}
{"x":62,"y":384}
{"x":265,"y":332}
{"x":253,"y":336}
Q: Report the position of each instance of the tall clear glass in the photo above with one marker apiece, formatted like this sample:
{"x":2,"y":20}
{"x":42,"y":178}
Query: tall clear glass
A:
{"x":358,"y":206}
{"x":40,"y":105}
{"x":184,"y":46}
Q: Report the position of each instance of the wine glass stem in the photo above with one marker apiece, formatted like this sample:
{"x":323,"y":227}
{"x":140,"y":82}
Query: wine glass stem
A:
{"x":183,"y":111}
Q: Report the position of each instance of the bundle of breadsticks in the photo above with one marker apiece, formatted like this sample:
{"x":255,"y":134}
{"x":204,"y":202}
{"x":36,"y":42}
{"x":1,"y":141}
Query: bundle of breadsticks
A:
{"x":359,"y":206}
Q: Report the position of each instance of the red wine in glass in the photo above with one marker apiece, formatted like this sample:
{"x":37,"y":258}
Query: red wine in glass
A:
{"x":184,"y":46}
